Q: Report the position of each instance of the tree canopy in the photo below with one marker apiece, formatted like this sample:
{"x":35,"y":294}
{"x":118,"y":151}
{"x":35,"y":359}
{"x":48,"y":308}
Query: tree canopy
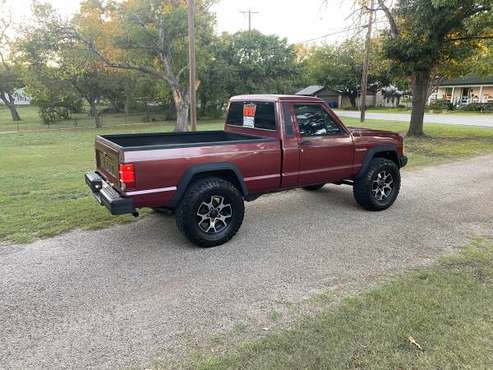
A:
{"x":112,"y":56}
{"x":425,"y":35}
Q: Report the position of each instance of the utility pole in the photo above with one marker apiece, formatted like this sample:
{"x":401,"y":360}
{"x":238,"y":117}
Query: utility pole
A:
{"x":364,"y":78}
{"x":192,"y":65}
{"x":249,"y":12}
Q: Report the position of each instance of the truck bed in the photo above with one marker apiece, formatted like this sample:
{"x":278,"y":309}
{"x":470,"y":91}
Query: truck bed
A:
{"x":178,"y":140}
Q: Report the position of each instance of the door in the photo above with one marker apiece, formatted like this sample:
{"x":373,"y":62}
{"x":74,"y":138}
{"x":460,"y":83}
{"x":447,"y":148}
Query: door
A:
{"x":326,"y":148}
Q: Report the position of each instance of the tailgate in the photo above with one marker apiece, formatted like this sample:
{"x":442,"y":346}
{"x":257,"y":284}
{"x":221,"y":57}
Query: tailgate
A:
{"x":108,"y":161}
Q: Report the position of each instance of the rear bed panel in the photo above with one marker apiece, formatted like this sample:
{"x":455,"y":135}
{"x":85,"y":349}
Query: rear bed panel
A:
{"x":159,"y":171}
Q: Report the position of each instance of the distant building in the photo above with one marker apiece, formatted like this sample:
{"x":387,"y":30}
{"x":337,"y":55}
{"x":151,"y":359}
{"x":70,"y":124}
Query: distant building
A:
{"x":335,"y":99}
{"x":332,"y":97}
{"x":465,"y":90}
{"x":20,"y":98}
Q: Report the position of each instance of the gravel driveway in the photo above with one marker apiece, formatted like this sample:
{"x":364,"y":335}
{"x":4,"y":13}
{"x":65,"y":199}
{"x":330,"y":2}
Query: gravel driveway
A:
{"x":122,"y":296}
{"x":485,"y":120}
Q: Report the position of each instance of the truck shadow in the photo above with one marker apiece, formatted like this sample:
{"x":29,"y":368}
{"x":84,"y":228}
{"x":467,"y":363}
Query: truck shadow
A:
{"x":289,"y":209}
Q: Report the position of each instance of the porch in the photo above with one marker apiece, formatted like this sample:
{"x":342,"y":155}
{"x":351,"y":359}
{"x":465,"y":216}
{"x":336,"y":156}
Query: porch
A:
{"x":465,"y":90}
{"x":463,"y":95}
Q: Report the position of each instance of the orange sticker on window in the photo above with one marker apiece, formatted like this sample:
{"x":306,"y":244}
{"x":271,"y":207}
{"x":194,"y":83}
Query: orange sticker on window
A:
{"x":249,"y":110}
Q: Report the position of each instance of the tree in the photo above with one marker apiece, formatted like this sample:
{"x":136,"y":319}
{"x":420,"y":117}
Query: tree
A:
{"x":215,"y":78}
{"x":10,"y":76}
{"x":480,"y":63}
{"x":49,"y":43}
{"x":392,"y":94}
{"x":54,"y":96}
{"x":339,"y":68}
{"x":147,"y":36}
{"x":260,"y":63}
{"x":424,"y":35}
{"x":245,"y":63}
{"x":10,"y":81}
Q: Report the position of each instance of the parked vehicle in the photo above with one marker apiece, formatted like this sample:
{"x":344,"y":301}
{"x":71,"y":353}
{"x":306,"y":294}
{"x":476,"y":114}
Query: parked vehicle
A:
{"x":270,"y":143}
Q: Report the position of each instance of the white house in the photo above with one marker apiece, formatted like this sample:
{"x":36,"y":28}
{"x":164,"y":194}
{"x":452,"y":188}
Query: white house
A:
{"x":20,"y":98}
{"x":465,"y":90}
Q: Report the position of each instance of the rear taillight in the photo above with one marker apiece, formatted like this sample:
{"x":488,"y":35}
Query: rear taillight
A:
{"x":127,"y":175}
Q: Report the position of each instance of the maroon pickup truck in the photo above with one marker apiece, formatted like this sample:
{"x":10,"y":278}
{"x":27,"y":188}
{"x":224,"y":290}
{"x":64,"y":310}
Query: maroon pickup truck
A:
{"x":270,"y":143}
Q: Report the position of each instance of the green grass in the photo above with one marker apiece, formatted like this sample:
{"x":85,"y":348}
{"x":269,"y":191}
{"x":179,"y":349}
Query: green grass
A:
{"x":443,"y":143}
{"x":31,"y":121}
{"x":382,"y":110}
{"x":43,"y":192}
{"x":446,"y":309}
{"x":408,"y":110}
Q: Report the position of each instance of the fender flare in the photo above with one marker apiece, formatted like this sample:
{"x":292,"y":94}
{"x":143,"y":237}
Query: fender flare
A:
{"x":199,"y":169}
{"x":370,"y":154}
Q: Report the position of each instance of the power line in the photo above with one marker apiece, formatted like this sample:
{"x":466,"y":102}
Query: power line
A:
{"x":344,"y":30}
{"x":332,"y":34}
{"x":249,"y":12}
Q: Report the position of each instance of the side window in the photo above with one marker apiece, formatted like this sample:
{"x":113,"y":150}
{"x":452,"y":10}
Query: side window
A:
{"x":313,"y":120}
{"x":259,"y":115}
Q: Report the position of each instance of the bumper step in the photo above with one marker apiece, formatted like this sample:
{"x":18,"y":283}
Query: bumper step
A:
{"x":109,"y":197}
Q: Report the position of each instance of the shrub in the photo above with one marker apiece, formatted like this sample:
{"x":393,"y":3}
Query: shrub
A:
{"x":51,"y":111}
{"x":50,"y":115}
{"x":441,"y":105}
{"x":477,"y":107}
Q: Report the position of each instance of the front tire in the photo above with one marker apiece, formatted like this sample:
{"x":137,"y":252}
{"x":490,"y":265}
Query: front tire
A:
{"x":379,"y":187}
{"x":211,"y":212}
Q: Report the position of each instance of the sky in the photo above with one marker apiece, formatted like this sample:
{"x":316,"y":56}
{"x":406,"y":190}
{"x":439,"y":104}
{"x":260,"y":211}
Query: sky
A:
{"x":298,"y":21}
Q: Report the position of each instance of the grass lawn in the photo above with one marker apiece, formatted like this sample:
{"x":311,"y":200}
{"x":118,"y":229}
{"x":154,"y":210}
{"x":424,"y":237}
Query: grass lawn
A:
{"x":435,"y":318}
{"x":408,"y":110}
{"x":443,"y":142}
{"x":31,"y":121}
{"x":384,"y":110}
{"x":43,"y":192}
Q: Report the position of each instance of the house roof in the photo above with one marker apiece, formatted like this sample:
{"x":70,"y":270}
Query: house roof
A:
{"x":470,"y":79}
{"x":310,"y":90}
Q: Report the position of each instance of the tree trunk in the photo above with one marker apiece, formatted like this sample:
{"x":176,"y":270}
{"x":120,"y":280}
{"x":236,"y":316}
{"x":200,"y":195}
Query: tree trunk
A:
{"x":94,"y":113}
{"x":10,"y":103}
{"x":203,"y":106}
{"x":182,"y":117}
{"x":420,"y":82}
{"x":352,"y":100}
{"x":147,"y":116}
{"x":182,"y":106}
{"x":13,"y":112}
{"x":115,"y":106}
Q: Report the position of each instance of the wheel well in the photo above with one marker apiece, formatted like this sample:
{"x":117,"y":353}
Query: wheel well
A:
{"x":228,"y":175}
{"x":389,"y":154}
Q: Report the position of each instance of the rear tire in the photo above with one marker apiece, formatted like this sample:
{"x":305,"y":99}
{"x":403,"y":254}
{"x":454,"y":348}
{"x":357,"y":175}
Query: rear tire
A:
{"x":314,"y":187}
{"x":211,"y":212}
{"x":379,"y":187}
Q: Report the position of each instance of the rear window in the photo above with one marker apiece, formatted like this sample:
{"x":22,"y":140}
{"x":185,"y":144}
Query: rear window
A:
{"x":259,"y":115}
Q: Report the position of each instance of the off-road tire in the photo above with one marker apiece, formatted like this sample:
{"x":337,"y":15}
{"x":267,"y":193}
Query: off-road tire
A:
{"x":314,"y":187}
{"x":198,"y":193}
{"x":363,"y":186}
